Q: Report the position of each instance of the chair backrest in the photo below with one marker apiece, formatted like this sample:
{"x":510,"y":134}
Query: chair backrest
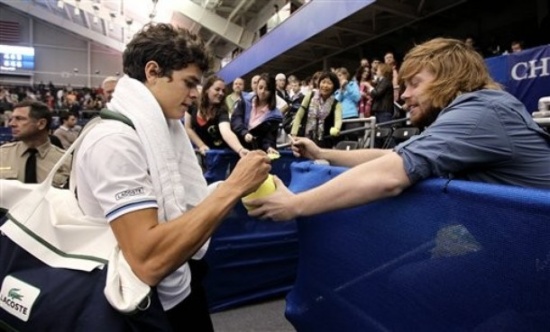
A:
{"x":347,"y":145}
{"x":383,"y":132}
{"x":404,"y":133}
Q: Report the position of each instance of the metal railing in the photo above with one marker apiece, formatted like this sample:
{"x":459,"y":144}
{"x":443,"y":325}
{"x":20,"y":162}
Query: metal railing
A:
{"x":366,"y":141}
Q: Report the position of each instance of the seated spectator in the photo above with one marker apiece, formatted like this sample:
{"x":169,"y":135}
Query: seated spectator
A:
{"x":207,"y":123}
{"x":32,"y":156}
{"x":516,"y":46}
{"x":108,"y":87}
{"x":6,"y":106}
{"x":256,"y":121}
{"x":67,"y":132}
{"x":320,"y":117}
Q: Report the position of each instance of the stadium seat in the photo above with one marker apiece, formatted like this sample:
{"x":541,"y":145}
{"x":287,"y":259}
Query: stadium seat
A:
{"x":382,"y":136}
{"x":347,"y":145}
{"x":402,"y":134}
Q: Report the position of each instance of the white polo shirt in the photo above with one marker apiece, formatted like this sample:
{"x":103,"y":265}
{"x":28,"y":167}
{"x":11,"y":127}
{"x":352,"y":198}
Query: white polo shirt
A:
{"x":112,"y":179}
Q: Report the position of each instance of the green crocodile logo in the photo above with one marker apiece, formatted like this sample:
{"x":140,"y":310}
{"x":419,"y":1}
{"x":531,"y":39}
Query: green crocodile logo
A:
{"x":14,"y":294}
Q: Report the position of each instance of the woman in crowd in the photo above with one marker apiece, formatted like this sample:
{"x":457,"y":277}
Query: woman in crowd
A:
{"x":348,"y":95}
{"x":363,"y":76}
{"x":256,"y":121}
{"x":207,"y":123}
{"x":320,"y":117}
{"x":382,"y":94}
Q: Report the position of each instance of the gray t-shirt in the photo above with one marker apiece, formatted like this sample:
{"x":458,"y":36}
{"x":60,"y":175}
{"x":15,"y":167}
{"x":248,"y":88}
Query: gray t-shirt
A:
{"x":484,"y":136}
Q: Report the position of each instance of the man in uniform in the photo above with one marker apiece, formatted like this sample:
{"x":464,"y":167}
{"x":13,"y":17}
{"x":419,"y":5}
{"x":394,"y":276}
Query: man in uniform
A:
{"x":31,"y":157}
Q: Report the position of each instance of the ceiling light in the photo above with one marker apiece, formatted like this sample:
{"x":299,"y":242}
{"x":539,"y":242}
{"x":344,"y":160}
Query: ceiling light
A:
{"x":96,"y":20}
{"x":60,"y":4}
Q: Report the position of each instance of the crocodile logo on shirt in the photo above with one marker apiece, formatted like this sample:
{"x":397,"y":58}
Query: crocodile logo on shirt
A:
{"x":130,"y":192}
{"x":14,"y":294}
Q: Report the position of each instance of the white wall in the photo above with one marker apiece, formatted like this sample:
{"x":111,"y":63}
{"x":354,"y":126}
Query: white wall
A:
{"x":58,"y":52}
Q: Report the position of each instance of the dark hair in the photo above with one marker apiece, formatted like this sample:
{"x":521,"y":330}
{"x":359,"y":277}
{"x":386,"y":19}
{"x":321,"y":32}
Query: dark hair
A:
{"x":64,"y":116}
{"x":517,"y":42}
{"x":332,"y":77}
{"x":315,"y":79}
{"x":271,"y":87}
{"x":38,"y":110}
{"x":204,"y":103}
{"x":172,"y":48}
{"x":359,"y":73}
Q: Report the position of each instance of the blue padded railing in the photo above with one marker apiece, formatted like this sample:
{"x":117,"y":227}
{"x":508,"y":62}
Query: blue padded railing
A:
{"x":249,"y":259}
{"x":442,"y":256}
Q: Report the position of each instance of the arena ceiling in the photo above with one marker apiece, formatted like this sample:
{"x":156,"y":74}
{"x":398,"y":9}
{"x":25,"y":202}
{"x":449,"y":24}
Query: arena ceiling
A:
{"x":223,"y":24}
{"x":227,"y":25}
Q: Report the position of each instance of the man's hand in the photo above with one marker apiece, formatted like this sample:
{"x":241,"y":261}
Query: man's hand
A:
{"x":306,"y":148}
{"x":250,"y":172}
{"x":278,"y":206}
{"x":243,"y":152}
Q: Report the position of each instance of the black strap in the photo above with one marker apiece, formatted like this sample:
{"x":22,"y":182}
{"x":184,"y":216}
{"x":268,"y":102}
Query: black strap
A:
{"x":30,"y":166}
{"x":110,"y":115}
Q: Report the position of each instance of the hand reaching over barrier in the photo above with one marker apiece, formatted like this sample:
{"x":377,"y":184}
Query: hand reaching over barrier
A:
{"x":278,"y":205}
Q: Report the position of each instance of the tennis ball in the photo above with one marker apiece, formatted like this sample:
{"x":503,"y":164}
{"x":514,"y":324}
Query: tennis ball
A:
{"x":274,"y":155}
{"x":265,"y":189}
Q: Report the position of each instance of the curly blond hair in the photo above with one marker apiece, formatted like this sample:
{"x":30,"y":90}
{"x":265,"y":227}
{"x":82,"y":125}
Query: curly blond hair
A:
{"x":457,"y":67}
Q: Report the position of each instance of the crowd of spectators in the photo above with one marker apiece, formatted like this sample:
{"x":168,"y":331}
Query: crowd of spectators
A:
{"x":81,"y":102}
{"x":372,"y":89}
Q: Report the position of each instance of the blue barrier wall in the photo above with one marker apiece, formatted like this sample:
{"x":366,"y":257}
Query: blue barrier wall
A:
{"x":249,"y":260}
{"x":526,"y":74}
{"x":442,"y":256}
